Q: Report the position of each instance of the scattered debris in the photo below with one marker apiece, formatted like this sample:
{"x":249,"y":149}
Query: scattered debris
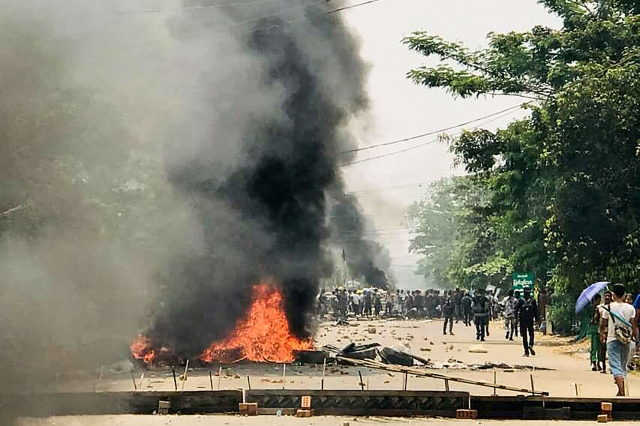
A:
{"x":371,"y":330}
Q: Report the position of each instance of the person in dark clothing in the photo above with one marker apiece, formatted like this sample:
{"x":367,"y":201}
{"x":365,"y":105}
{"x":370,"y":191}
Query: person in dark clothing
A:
{"x":516,"y":294}
{"x":480,"y":313}
{"x":368,"y":302}
{"x":466,"y":303}
{"x":527,"y":311}
{"x":448,"y":309}
{"x":377,"y":303}
{"x":418,"y":302}
{"x":457,"y":303}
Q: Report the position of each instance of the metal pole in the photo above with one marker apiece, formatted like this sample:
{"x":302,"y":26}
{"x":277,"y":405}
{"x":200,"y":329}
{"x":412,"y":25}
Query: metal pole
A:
{"x":211,"y":379}
{"x":361,"y":381}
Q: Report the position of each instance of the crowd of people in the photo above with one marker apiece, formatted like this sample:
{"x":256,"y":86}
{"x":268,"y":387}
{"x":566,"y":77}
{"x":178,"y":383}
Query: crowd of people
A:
{"x":373,"y":302}
{"x":477,"y":308}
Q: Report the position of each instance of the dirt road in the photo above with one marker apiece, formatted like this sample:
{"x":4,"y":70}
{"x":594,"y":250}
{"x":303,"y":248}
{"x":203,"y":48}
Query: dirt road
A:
{"x":565,"y":372}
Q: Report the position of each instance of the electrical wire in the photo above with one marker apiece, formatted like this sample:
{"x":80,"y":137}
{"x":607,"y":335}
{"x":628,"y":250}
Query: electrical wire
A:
{"x":435,"y":132}
{"x":419,"y":145}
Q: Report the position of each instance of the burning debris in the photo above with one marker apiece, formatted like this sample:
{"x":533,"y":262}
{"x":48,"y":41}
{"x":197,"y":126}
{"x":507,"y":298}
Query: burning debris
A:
{"x":263,"y":336}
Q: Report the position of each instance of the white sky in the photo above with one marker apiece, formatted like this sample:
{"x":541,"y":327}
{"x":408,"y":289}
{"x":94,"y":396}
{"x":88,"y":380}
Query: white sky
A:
{"x":401,"y":109}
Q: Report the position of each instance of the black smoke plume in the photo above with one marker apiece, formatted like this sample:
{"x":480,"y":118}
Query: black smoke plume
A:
{"x":263,"y":208}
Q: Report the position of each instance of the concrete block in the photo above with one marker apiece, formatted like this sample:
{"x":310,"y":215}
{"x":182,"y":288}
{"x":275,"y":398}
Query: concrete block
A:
{"x":603,"y":418}
{"x":467,"y":414}
{"x":303,"y":413}
{"x":248,"y":409}
{"x":163,"y":407}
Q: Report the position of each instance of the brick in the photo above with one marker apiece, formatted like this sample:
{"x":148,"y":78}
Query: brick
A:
{"x":248,"y":409}
{"x":606,"y":406}
{"x":467,"y":414}
{"x":306,"y":403}
{"x":303,"y":413}
{"x":603,"y":418}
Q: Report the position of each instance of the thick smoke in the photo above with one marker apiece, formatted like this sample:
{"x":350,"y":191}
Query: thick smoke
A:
{"x":364,"y":257}
{"x":155,"y":166}
{"x":298,"y":80}
{"x":87,"y":217}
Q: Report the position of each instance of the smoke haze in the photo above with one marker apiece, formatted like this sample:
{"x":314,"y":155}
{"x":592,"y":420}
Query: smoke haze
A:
{"x":156,"y":163}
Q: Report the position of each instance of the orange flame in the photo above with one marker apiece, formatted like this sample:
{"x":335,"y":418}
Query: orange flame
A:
{"x":263,"y":336}
{"x":141,"y":349}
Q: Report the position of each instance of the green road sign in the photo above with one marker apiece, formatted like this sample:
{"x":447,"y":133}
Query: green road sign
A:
{"x":523,"y":280}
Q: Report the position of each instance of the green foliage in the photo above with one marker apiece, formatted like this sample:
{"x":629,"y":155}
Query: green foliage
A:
{"x":564,"y":183}
{"x":451,"y":231}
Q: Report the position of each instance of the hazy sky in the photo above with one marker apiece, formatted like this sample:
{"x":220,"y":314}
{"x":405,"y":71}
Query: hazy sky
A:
{"x":401,"y":109}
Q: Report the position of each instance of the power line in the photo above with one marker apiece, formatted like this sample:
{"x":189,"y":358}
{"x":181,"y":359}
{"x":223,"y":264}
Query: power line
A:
{"x":234,"y":25}
{"x":435,"y":132}
{"x":353,"y":6}
{"x":416,"y":146}
{"x":389,"y":188}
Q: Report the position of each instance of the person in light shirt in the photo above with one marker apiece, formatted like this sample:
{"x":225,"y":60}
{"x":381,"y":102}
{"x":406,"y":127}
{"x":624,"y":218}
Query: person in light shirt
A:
{"x":623,"y":316}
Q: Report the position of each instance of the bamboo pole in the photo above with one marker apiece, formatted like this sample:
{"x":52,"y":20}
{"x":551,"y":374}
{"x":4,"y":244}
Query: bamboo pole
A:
{"x":175,"y":382}
{"x":421,"y":373}
{"x":184,"y":376}
{"x":133,"y":379}
{"x":284,"y":375}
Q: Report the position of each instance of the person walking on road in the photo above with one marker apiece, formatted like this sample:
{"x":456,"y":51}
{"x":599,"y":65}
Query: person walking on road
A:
{"x":527,"y":311}
{"x":608,"y":298}
{"x":619,"y":321}
{"x":595,"y":355}
{"x":510,"y":306}
{"x":467,"y":301}
{"x":480,"y":313}
{"x":448,"y":310}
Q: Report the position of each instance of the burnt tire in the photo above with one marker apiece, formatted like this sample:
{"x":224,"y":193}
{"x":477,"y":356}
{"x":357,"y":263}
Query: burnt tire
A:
{"x":391,"y":356}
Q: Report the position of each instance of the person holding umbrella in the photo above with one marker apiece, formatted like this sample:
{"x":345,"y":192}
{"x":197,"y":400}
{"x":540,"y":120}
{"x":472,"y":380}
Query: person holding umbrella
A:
{"x":588,"y":295}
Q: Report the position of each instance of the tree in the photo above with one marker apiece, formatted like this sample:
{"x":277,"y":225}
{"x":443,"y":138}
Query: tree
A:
{"x":451,"y":229}
{"x":565,"y":181}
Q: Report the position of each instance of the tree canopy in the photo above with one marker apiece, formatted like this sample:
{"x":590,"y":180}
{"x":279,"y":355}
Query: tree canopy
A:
{"x":563,"y":184}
